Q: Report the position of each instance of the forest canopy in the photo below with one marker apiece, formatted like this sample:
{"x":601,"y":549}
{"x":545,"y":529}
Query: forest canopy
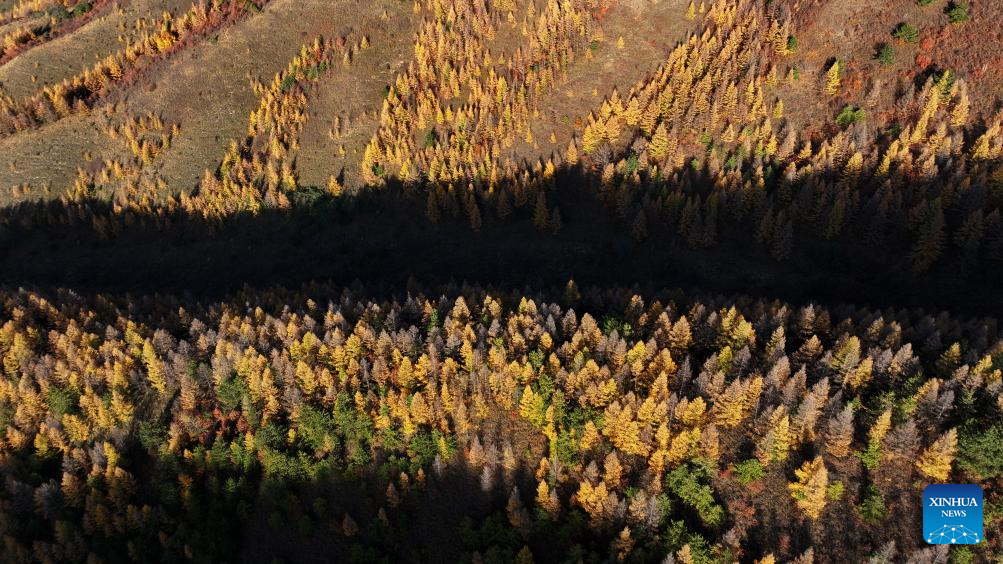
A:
{"x":603,"y":424}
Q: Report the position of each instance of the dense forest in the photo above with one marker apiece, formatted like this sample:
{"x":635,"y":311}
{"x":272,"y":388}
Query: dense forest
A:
{"x":486,"y":281}
{"x":485,"y":426}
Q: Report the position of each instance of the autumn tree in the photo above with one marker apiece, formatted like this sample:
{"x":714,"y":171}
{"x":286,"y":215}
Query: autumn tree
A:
{"x":809,"y":489}
{"x":935,"y":462}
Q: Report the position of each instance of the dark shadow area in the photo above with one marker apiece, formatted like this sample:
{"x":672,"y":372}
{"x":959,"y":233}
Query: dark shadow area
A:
{"x":383,"y":238}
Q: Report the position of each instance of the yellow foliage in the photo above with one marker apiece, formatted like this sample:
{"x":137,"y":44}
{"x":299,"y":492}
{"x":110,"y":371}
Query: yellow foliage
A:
{"x":935,"y":462}
{"x":809,"y":490}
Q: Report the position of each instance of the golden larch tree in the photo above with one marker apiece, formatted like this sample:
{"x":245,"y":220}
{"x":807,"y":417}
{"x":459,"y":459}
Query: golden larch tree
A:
{"x":936,"y":460}
{"x":809,"y":489}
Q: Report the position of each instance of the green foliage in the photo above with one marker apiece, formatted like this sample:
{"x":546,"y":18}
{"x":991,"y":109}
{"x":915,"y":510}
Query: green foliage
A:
{"x":316,"y":429}
{"x":151,"y":435}
{"x":870,"y":456}
{"x":906,"y":32}
{"x":355,"y":431}
{"x":690,"y":483}
{"x":945,"y":81}
{"x":792,"y":44}
{"x":535,"y":359}
{"x":993,"y":512}
{"x":567,"y":446}
{"x":962,"y":555}
{"x":423,"y":448}
{"x":677,"y":535}
{"x":872,"y":507}
{"x":885,"y":54}
{"x":632,"y":164}
{"x":269,"y":436}
{"x":6,"y":415}
{"x":748,"y":471}
{"x":430,"y":138}
{"x":230,"y":392}
{"x":850,"y":115}
{"x":981,"y":450}
{"x":957,"y":12}
{"x":312,"y":198}
{"x":622,"y":328}
{"x":61,"y":401}
{"x":58,"y":13}
{"x":835,"y":491}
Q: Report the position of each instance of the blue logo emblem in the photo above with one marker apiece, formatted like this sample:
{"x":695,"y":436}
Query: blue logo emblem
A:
{"x":952,"y":514}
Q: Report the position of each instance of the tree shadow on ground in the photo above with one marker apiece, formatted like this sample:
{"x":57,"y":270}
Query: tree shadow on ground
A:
{"x":382,"y":237}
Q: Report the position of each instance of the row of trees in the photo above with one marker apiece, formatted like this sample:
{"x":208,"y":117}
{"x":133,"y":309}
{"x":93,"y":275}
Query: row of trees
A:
{"x":426,"y":136}
{"x":256,"y":172}
{"x":705,"y":150}
{"x":24,"y":8}
{"x":259,"y":171}
{"x":123,"y":178}
{"x":602,"y":425}
{"x":83,"y":91}
{"x":60,"y":16}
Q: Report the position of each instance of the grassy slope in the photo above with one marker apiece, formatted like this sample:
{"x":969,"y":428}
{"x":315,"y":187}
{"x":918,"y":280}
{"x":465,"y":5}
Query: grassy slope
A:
{"x":18,"y":24}
{"x":210,"y":112}
{"x":354,"y":93}
{"x":51,"y":155}
{"x":207,"y":91}
{"x":852,"y":31}
{"x":48,"y":156}
{"x":650,"y":32}
{"x":68,"y":55}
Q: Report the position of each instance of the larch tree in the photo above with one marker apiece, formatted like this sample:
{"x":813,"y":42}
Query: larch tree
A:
{"x":833,"y":79}
{"x":935,"y":462}
{"x":810,"y":487}
{"x":839,"y":433}
{"x":154,"y":368}
{"x":556,"y":223}
{"x":640,"y":228}
{"x":541,"y":216}
{"x":658,"y":148}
